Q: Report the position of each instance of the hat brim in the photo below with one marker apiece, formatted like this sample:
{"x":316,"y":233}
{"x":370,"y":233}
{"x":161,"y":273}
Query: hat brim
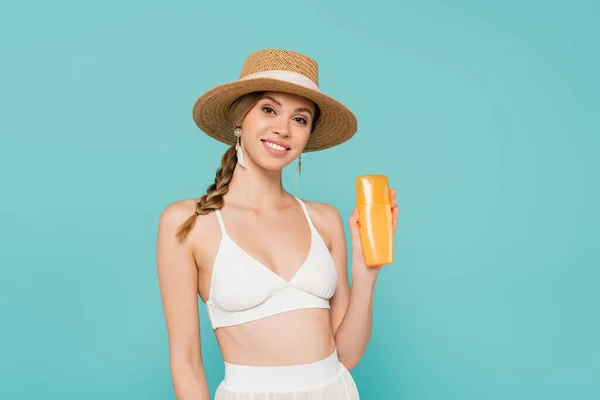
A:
{"x":336,"y":123}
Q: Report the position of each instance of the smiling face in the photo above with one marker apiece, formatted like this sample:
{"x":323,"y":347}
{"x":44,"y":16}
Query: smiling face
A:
{"x":276,"y":129}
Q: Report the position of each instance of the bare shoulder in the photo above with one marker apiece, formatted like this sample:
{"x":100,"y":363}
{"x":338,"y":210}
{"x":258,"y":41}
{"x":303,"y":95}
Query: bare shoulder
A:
{"x":326,"y":218}
{"x":324,"y":211}
{"x":177,"y":212}
{"x":199,"y":246}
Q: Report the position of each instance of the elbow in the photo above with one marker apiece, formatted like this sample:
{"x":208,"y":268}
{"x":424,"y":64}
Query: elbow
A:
{"x":349,"y":355}
{"x":348,"y":363}
{"x":184,"y":365}
{"x":349,"y":366}
{"x":184,"y":368}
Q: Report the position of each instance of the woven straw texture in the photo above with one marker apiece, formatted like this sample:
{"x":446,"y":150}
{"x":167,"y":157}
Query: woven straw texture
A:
{"x":336,"y":123}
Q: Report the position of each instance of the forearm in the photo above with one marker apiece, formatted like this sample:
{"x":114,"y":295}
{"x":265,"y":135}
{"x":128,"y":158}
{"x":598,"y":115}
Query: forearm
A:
{"x":354,"y":332}
{"x":189,"y":381}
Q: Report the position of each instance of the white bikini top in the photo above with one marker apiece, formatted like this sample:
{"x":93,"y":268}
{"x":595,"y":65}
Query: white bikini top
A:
{"x":243,"y":290}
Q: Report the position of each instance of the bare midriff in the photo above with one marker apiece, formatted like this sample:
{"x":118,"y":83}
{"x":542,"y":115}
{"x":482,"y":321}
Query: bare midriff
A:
{"x":290,"y":338}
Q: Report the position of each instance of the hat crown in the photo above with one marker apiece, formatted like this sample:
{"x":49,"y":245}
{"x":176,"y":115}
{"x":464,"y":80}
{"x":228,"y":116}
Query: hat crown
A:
{"x":281,"y":60}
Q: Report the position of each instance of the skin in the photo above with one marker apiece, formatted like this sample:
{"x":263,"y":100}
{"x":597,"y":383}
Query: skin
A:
{"x":258,"y":210}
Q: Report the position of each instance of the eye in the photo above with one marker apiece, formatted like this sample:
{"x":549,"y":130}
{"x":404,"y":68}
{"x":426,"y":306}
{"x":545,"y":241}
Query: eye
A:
{"x":268,"y":110}
{"x":301,"y":120}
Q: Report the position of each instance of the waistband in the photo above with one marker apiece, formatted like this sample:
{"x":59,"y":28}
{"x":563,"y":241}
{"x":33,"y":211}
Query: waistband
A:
{"x":281,"y":378}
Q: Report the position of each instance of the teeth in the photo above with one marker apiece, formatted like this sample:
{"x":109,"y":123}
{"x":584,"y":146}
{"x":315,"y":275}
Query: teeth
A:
{"x":274,"y":146}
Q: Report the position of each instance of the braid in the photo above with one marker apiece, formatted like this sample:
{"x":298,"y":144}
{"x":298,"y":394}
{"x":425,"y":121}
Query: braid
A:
{"x":213,"y":199}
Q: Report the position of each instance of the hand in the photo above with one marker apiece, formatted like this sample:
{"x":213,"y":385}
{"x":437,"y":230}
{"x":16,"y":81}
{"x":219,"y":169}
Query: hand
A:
{"x":359,"y":267}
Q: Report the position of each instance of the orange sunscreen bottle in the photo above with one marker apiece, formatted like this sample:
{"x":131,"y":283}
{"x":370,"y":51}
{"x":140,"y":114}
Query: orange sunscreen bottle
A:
{"x":375,"y":218}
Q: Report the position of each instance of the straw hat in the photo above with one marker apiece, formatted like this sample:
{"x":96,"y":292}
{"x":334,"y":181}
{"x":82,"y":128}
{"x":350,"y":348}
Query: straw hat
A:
{"x":276,"y":70}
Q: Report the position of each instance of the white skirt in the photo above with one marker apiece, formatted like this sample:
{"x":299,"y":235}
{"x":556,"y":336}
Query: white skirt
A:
{"x":326,"y":379}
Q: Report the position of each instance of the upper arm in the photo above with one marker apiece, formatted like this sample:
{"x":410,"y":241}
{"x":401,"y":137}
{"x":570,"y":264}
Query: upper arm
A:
{"x":337,"y":237}
{"x":178,"y":281}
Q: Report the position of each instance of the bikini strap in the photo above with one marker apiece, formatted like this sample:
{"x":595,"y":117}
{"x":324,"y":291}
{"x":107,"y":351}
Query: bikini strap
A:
{"x":305,"y":212}
{"x":220,"y":219}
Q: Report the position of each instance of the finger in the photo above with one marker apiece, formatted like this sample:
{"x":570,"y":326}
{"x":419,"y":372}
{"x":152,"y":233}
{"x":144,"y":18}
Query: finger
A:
{"x":394,"y":204}
{"x":395,"y":218}
{"x":393,"y":193}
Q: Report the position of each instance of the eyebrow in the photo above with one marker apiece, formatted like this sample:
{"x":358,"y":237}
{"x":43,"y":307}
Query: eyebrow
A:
{"x":296,"y":110}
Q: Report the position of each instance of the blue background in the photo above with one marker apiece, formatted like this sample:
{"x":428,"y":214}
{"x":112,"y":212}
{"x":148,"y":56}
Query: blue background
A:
{"x":484,"y":115}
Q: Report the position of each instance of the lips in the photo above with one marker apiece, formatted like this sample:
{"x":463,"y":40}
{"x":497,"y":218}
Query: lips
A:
{"x":276,"y":144}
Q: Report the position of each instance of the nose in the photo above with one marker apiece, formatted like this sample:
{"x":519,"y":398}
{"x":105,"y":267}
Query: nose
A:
{"x":281,"y":127}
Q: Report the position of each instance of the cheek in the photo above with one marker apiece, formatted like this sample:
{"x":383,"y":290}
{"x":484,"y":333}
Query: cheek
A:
{"x":261,"y":124}
{"x":254,"y":124}
{"x":301,"y":136}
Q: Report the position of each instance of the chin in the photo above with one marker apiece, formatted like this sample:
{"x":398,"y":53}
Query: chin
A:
{"x":273,"y":165}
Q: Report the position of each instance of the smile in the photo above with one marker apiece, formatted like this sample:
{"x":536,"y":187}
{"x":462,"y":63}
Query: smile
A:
{"x":274,"y":148}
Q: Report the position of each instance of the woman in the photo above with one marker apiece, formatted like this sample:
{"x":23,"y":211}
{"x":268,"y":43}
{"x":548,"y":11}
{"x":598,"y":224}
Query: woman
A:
{"x":270,"y":267}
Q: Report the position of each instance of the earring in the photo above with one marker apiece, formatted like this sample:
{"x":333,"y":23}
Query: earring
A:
{"x":298,"y":172}
{"x":238,"y":146}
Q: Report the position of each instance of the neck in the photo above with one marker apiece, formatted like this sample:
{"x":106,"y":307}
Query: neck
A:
{"x":256,"y":188}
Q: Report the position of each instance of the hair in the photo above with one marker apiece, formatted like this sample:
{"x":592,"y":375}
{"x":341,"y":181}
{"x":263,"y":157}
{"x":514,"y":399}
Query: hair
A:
{"x":213,"y":198}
